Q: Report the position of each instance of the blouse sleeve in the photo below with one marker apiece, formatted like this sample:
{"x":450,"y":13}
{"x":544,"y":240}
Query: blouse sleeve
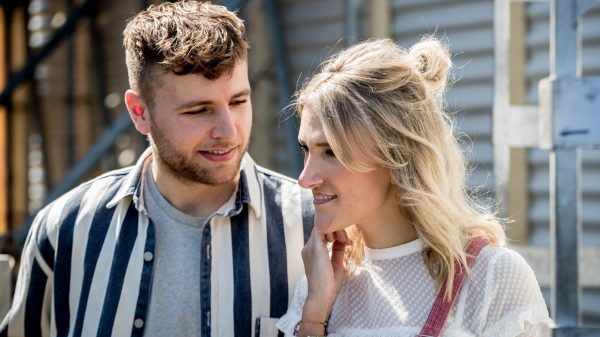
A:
{"x":513,"y":302}
{"x":288,"y":321}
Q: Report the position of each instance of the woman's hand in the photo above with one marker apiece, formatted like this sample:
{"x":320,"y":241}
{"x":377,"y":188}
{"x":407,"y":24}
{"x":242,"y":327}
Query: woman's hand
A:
{"x":325,"y":274}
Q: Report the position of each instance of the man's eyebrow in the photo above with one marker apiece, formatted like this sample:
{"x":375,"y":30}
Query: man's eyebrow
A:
{"x":242,"y":93}
{"x":194,"y":103}
{"x":190,"y":104}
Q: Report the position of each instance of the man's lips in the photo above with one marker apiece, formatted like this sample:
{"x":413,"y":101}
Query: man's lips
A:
{"x":219,"y":155}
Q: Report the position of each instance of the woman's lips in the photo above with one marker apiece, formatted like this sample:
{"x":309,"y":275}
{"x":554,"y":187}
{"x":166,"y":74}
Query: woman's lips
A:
{"x":320,"y":199}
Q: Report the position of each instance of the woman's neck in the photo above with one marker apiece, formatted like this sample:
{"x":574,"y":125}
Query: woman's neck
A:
{"x":392,"y":229}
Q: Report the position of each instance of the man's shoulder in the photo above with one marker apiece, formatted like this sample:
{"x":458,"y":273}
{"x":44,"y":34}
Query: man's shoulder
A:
{"x":85,"y":199}
{"x":266,"y":173}
{"x":112,"y":179}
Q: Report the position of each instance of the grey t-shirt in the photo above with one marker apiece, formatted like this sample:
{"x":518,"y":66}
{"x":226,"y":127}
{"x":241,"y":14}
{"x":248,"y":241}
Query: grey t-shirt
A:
{"x":175,"y":295}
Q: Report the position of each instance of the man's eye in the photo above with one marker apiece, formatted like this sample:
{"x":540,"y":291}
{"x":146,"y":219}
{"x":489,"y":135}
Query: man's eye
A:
{"x":195,"y":112}
{"x":239,"y":102}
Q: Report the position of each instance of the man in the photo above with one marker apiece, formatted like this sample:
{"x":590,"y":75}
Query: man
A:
{"x":195,"y":239}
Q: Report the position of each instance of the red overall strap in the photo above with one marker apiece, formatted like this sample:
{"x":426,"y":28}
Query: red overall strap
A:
{"x":441,"y":308}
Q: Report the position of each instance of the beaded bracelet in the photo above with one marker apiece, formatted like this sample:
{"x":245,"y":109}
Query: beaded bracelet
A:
{"x":297,"y":327}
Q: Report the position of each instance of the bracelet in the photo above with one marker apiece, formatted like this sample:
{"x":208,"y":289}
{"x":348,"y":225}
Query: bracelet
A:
{"x":308,"y":321}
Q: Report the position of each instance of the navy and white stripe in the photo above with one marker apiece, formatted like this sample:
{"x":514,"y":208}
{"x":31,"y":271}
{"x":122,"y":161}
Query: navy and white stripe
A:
{"x":86,"y":269}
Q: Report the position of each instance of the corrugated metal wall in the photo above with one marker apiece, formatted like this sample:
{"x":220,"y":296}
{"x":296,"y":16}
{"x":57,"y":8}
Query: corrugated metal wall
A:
{"x":537,"y":68}
{"x":467,"y":26}
{"x":314,"y":30}
{"x":539,"y":215}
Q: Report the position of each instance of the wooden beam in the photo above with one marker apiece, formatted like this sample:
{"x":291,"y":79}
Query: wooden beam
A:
{"x":19,"y":127}
{"x":517,"y":198}
{"x":380,"y":18}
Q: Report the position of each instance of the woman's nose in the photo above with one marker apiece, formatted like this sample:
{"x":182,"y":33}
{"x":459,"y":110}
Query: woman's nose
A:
{"x":310,"y":176}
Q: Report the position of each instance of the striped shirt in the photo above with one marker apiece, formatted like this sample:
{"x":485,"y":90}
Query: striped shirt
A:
{"x":86,"y":269}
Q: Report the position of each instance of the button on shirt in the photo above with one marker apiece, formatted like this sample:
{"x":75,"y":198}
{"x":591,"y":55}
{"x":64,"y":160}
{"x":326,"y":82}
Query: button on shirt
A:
{"x":86,"y":269}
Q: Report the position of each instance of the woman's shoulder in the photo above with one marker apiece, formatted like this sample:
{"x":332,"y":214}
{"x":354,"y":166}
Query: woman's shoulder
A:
{"x":502,"y":262}
{"x":500,"y":273}
{"x":505,"y":294}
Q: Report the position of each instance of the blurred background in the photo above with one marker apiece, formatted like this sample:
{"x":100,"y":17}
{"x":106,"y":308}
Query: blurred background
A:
{"x":63,"y":121}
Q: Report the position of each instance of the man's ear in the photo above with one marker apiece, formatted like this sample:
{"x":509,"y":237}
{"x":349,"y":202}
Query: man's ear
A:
{"x":137,"y":111}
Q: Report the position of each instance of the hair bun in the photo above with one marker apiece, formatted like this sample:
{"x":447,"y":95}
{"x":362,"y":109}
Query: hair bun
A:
{"x":432,"y":60}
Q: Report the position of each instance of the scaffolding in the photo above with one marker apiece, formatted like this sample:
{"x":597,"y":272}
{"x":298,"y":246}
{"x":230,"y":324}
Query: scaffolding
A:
{"x":566,"y":120}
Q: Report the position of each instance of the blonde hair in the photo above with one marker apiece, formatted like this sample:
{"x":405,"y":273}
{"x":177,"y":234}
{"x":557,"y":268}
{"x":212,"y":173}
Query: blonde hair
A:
{"x":182,"y":37}
{"x":386,"y":103}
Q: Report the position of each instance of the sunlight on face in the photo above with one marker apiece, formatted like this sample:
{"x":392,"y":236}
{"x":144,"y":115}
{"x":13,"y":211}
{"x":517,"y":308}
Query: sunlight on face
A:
{"x":341,"y":197}
{"x":200,"y":128}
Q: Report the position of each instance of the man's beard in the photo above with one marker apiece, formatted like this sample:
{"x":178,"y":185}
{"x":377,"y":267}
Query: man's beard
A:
{"x":184,"y":169}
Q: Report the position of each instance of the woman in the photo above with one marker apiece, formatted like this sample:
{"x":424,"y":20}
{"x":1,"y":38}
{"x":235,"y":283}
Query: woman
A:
{"x":388,"y":181}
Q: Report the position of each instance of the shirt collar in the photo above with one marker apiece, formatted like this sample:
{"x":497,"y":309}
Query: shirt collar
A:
{"x":249,"y":188}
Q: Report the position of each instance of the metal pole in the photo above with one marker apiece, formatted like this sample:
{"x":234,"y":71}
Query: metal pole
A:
{"x":290,"y":157}
{"x":70,"y":137}
{"x":565,"y":167}
{"x":565,"y":225}
{"x":96,"y":44}
{"x":353,"y":21}
{"x":37,"y":111}
{"x":501,"y":101}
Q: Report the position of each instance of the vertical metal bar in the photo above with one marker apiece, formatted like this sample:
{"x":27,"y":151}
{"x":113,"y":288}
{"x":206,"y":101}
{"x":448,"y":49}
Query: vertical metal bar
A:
{"x":563,"y":38}
{"x":565,"y":168}
{"x":501,"y":100}
{"x":291,"y":158}
{"x":352,"y":21}
{"x":101,"y":88}
{"x":37,"y":110}
{"x":69,"y":95}
{"x":96,"y":44}
{"x":565,"y":165}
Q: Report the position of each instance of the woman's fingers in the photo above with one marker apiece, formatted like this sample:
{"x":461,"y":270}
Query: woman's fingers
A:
{"x":337,"y":254}
{"x":341,"y":236}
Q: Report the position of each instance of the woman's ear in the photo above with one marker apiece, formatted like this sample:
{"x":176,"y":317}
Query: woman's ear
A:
{"x":137,"y":111}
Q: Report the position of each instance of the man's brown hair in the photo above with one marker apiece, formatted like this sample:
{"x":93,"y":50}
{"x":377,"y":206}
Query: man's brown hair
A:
{"x":182,"y":37}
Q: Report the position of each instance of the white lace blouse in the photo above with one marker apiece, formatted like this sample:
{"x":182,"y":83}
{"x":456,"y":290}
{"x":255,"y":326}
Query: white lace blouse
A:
{"x":392,"y":294}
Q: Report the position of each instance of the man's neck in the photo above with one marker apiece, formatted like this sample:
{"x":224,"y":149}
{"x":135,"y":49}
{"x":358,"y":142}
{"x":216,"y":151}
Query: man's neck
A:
{"x":192,"y":198}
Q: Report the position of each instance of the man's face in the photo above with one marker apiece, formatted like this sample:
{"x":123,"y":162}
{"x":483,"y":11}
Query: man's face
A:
{"x":200,"y":128}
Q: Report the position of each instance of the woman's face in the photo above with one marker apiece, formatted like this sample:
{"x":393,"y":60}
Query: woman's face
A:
{"x":341,"y":197}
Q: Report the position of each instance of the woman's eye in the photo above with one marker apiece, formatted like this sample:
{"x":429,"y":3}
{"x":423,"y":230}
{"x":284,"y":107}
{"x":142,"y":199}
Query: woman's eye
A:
{"x":329,"y":153}
{"x":303,"y":147}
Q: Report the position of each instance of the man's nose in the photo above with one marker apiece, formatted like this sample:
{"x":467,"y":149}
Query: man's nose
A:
{"x":224,"y":125}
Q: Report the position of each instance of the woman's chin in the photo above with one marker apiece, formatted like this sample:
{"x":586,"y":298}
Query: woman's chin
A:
{"x":327,"y":227}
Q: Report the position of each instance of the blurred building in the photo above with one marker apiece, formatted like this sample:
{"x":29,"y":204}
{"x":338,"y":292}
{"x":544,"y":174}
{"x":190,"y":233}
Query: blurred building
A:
{"x":75,"y":95}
